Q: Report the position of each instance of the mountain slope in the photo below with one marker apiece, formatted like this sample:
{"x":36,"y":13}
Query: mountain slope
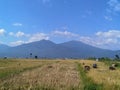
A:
{"x":88,"y":50}
{"x":48,"y":49}
{"x":3,"y":47}
{"x":37,"y":48}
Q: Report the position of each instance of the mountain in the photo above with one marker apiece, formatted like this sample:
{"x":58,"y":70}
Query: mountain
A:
{"x":48,"y":49}
{"x":2,"y":47}
{"x":37,"y":48}
{"x":86,"y":50}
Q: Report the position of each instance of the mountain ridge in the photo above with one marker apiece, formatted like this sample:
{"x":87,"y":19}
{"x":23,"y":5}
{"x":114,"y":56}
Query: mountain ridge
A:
{"x":49,"y":49}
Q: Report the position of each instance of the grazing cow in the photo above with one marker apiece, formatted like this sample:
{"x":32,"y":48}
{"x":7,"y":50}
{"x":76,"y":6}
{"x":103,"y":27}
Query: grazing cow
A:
{"x":111,"y":68}
{"x":94,"y":65}
{"x":87,"y":68}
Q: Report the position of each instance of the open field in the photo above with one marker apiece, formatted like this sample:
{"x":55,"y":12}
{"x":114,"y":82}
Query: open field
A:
{"x":56,"y":75}
{"x":110,"y":79}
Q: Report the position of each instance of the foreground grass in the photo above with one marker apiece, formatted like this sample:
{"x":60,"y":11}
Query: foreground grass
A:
{"x":89,"y":84}
{"x":103,"y":76}
{"x":57,"y":75}
{"x":12,"y":67}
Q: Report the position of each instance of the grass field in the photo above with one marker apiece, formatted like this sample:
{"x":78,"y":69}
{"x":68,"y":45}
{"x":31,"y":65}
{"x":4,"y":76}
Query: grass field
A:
{"x":18,"y":74}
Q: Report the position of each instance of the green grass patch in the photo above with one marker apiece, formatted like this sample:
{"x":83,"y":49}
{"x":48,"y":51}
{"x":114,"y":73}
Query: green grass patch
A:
{"x":109,"y":63}
{"x":12,"y":72}
{"x":88,"y":83}
{"x":12,"y":67}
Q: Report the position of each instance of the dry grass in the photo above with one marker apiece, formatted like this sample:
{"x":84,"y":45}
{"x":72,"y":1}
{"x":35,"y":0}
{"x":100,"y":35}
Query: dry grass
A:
{"x":9,"y":67}
{"x":55,"y":75}
{"x":59,"y":75}
{"x":102,"y":75}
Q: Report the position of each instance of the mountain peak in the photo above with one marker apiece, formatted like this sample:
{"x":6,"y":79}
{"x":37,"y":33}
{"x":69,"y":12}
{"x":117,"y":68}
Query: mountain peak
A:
{"x":74,"y":42}
{"x":3,"y":45}
{"x":43,"y":40}
{"x":47,"y":48}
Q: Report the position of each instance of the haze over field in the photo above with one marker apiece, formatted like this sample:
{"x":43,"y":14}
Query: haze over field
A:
{"x":93,"y":22}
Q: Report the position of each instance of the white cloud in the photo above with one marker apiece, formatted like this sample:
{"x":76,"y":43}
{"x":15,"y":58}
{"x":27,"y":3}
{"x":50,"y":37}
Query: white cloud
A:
{"x":64,"y":34}
{"x":38,"y":37}
{"x":2,"y":31}
{"x":87,"y":40}
{"x":28,"y":37}
{"x":109,"y":18}
{"x":108,"y":40}
{"x":17,"y":24}
{"x":31,"y":38}
{"x":18,"y":34}
{"x":107,"y":43}
{"x":11,"y":33}
{"x":112,"y":10}
{"x":109,"y":34}
{"x":114,"y":6}
{"x":100,"y":39}
{"x":16,"y":43}
{"x":109,"y":37}
{"x":111,"y":40}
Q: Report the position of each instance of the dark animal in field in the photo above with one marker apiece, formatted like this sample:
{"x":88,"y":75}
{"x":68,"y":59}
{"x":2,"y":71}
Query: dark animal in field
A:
{"x":50,"y":67}
{"x":94,"y":65}
{"x":5,"y":57}
{"x":83,"y":63}
{"x":116,"y":65}
{"x":86,"y":68}
{"x":111,"y":68}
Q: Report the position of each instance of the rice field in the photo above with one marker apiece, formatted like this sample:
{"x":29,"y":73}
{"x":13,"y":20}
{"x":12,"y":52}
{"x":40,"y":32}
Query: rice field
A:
{"x":110,"y":79}
{"x":28,"y":74}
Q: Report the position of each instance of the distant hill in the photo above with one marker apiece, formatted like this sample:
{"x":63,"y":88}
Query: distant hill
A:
{"x":48,"y":49}
{"x":86,"y":50}
{"x":2,"y":47}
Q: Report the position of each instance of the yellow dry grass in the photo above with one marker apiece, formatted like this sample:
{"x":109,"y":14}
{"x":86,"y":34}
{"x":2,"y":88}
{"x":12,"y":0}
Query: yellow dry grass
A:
{"x":102,"y":75}
{"x":57,"y":75}
{"x":54,"y":75}
{"x":8,"y":67}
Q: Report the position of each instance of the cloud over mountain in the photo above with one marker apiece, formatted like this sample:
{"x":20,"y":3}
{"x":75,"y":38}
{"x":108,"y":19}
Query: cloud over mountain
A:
{"x":2,"y":31}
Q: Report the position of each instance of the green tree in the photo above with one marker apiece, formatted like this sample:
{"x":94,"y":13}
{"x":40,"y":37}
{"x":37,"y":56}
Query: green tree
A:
{"x":36,"y":57}
{"x":117,"y":57}
{"x":30,"y":55}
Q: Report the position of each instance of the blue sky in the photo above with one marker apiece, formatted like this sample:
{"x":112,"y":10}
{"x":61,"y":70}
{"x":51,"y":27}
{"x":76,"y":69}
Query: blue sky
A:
{"x":95,"y":22}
